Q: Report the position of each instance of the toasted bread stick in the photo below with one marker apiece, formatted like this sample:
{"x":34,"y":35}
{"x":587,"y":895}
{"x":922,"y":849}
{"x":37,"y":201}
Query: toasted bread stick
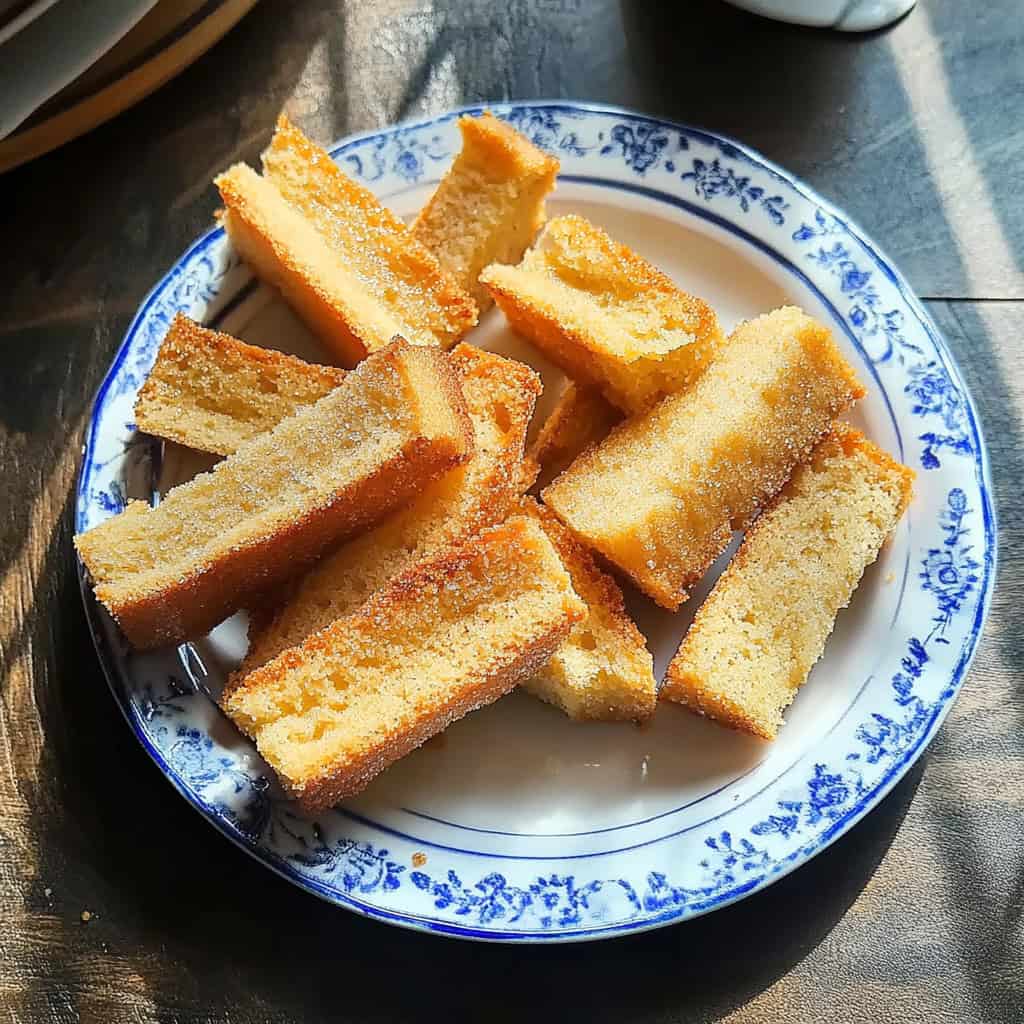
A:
{"x":212,"y":392}
{"x":602,"y":671}
{"x":490,"y":204}
{"x":348,"y":266}
{"x":500,"y":394}
{"x":764,"y":625}
{"x":605,"y":315}
{"x":273,"y":507}
{"x":580,"y":419}
{"x":440,"y":641}
{"x":662,"y":494}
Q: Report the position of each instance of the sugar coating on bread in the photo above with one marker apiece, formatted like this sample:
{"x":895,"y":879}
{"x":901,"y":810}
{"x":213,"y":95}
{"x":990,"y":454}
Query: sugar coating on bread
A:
{"x":500,"y":395}
{"x":580,"y":419}
{"x":212,"y":392}
{"x":764,"y":625}
{"x":603,"y":670}
{"x":490,"y":204}
{"x":393,"y":266}
{"x":287,"y":252}
{"x":394,"y":424}
{"x":605,"y":315}
{"x":662,"y":494}
{"x":348,"y":266}
{"x":440,"y":641}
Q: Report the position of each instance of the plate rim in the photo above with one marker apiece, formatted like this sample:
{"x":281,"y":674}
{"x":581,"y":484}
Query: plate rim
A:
{"x":867,"y":803}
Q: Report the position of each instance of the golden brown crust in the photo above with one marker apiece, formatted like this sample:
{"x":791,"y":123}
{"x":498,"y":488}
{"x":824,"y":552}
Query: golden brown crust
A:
{"x":212,"y":590}
{"x":500,"y":394}
{"x":853,"y":442}
{"x":449,"y":389}
{"x":504,"y":667}
{"x":684,"y":683}
{"x":516,"y":387}
{"x":507,"y":153}
{"x":663,"y":511}
{"x":331,"y":788}
{"x":193,"y":395}
{"x":564,"y":303}
{"x":489,"y":205}
{"x":580,"y":419}
{"x":634,"y":268}
{"x":684,"y":688}
{"x":392,"y":264}
{"x":194,"y":597}
{"x":601,"y":588}
{"x":184,"y":337}
{"x":286,"y":252}
{"x":519,"y":384}
{"x":617,"y":684}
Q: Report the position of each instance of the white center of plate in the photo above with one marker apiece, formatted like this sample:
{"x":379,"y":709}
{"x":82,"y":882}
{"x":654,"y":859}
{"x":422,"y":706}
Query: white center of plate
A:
{"x":519,"y":777}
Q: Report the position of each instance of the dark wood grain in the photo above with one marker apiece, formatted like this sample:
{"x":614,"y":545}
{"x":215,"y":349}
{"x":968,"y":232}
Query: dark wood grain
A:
{"x":915,"y":915}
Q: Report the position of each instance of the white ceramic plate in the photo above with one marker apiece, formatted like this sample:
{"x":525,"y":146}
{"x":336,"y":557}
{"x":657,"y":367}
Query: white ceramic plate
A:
{"x":519,"y":824}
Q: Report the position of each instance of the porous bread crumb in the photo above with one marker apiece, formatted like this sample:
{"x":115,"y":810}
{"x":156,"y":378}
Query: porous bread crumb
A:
{"x":755,"y":639}
{"x":580,"y":419}
{"x":661,"y":496}
{"x":442,"y":640}
{"x":419,"y":859}
{"x":490,"y":204}
{"x":500,"y":395}
{"x":284,"y":250}
{"x":605,"y":315}
{"x":347,"y":265}
{"x":378,"y":247}
{"x":602,"y":671}
{"x":212,"y":392}
{"x":334,"y":468}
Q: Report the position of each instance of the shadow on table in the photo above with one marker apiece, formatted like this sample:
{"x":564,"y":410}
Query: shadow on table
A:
{"x":774,"y":85}
{"x":185,"y":919}
{"x":985,"y":88}
{"x":195,"y":922}
{"x":988,"y":894}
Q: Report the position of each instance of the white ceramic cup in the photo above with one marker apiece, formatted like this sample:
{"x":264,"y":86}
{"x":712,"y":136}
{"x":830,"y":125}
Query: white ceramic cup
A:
{"x":845,"y":15}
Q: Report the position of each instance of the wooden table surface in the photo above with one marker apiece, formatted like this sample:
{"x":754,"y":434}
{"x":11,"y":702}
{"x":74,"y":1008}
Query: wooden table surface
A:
{"x":918,"y":132}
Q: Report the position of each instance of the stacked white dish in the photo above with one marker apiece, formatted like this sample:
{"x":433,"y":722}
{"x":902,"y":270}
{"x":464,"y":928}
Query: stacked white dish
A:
{"x":49,"y":44}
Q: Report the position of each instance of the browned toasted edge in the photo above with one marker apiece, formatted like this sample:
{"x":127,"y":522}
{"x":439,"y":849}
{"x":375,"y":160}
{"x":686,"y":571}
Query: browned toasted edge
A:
{"x":682,"y":687}
{"x":601,"y":588}
{"x":210,"y":591}
{"x":521,"y":155}
{"x":670,"y":600}
{"x":572,"y":349}
{"x":501,"y":488}
{"x":823,"y":348}
{"x":560,"y":440}
{"x":515,"y":154}
{"x":486,"y":687}
{"x":468,"y":360}
{"x":450,"y":386}
{"x":331,"y":324}
{"x":563,"y":344}
{"x":184,"y":338}
{"x":449,"y":294}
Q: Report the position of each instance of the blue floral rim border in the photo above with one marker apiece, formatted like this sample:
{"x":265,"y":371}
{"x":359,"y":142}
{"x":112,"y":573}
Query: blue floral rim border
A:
{"x":951,"y":572}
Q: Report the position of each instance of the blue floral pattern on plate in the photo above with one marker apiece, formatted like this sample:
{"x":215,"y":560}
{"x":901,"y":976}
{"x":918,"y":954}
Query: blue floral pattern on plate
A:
{"x":352,"y":862}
